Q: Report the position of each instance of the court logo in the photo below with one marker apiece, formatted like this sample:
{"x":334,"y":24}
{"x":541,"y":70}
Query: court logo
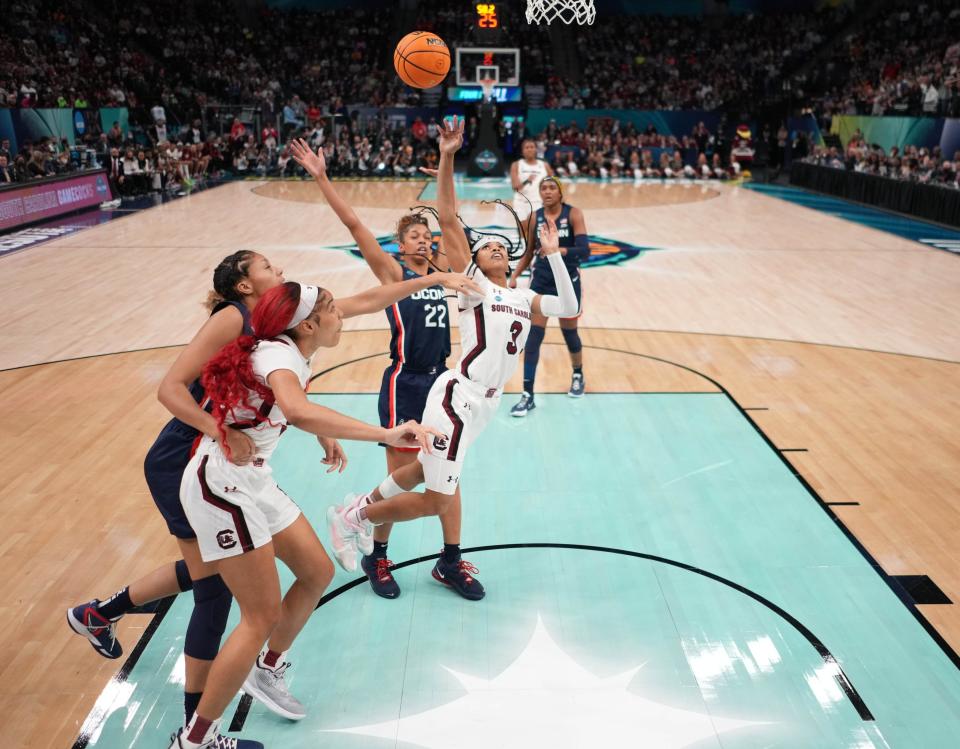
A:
{"x":603,"y":250}
{"x":226,"y":539}
{"x":486,"y":160}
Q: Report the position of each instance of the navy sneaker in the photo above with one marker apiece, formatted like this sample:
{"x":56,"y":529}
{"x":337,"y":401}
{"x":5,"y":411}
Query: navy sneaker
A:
{"x":524,"y":406}
{"x":380,"y":577}
{"x":576,"y":386}
{"x":217,"y":741}
{"x":459,"y":575}
{"x":86,"y":621}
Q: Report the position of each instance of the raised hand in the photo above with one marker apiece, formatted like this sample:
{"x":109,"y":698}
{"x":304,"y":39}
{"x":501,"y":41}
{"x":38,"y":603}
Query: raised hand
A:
{"x":314,"y":163}
{"x":458,"y":282}
{"x":451,"y":135}
{"x":549,"y":238}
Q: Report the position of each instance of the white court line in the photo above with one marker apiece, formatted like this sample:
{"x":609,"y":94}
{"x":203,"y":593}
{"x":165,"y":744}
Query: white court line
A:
{"x":710,"y":467}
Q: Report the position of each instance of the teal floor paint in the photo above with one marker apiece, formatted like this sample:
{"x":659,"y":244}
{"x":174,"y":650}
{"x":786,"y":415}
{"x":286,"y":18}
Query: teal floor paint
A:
{"x":581,"y":648}
{"x":932,"y":235}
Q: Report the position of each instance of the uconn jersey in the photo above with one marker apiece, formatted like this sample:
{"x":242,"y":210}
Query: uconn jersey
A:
{"x":542,"y":281}
{"x":419,"y":347}
{"x":493,"y":331}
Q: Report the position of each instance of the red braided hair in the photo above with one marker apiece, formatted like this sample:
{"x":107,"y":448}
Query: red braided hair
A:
{"x":228,"y":377}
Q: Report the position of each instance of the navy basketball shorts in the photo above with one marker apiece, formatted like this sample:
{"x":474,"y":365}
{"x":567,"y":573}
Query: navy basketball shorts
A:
{"x":163,"y":469}
{"x":539,"y":286}
{"x":403,"y":395}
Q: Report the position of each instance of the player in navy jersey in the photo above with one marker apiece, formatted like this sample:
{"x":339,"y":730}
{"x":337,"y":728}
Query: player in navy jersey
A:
{"x":239,"y":281}
{"x":494,"y":325}
{"x":575,"y":248}
{"x":419,"y":343}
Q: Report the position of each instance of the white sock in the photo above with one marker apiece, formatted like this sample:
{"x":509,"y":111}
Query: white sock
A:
{"x":390,"y":488}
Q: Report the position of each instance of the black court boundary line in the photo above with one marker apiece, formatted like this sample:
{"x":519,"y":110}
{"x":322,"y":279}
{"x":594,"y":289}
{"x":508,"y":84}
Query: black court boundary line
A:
{"x":897,"y":589}
{"x":545,"y":343}
{"x":859,"y":705}
{"x":163,"y":606}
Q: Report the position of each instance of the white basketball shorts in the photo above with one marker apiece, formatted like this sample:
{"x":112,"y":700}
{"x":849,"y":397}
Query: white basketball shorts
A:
{"x":233,"y":509}
{"x":460,"y":409}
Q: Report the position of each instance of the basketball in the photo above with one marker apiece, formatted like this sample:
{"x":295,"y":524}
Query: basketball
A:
{"x":422,"y":59}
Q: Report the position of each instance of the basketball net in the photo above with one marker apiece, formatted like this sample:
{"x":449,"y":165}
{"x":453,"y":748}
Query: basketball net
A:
{"x":487,"y":85}
{"x":569,"y":11}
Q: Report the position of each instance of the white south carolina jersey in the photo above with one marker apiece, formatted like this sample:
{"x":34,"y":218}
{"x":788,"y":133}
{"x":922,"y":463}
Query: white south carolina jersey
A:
{"x":535,"y":172}
{"x":266,"y":422}
{"x":493,"y":331}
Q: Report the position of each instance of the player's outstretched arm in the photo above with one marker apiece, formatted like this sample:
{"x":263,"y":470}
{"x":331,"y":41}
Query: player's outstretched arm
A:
{"x":564,"y":304}
{"x":384,"y":267}
{"x":325,"y":422}
{"x":454,"y":240}
{"x":379,"y":298}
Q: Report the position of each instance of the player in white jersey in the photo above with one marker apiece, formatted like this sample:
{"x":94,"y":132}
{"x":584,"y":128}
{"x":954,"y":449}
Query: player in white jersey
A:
{"x":242,"y":519}
{"x":493,"y":330}
{"x":525,"y":177}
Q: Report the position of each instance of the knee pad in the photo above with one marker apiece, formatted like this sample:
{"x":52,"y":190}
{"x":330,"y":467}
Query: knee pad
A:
{"x":531,"y":354}
{"x":183,"y":576}
{"x":572,"y":337}
{"x":211,"y":607}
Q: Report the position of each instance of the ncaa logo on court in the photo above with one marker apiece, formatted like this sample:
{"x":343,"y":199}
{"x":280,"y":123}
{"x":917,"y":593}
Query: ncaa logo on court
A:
{"x":486,"y":160}
{"x":603,"y":250}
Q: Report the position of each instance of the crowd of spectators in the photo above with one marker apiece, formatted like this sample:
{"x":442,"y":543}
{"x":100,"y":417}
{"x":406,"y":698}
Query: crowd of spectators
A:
{"x":904,"y":62}
{"x":679,"y":62}
{"x":909,"y":163}
{"x":608,"y":149}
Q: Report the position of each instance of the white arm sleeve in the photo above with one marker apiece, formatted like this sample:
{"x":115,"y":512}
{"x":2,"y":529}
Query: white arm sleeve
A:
{"x":564,"y":304}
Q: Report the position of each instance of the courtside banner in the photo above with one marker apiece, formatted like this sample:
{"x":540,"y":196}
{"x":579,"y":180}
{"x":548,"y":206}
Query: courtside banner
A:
{"x":32,"y":202}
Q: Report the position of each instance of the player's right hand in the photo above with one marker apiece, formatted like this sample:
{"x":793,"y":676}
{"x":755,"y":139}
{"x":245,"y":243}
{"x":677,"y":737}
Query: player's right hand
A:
{"x":458,"y":282}
{"x":241,"y":447}
{"x":512,"y":283}
{"x":412,"y":434}
{"x":314,"y":163}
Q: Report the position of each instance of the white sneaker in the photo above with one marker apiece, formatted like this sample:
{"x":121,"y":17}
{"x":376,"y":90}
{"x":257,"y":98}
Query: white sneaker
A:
{"x":343,"y":538}
{"x":365,"y":530}
{"x":268,"y":685}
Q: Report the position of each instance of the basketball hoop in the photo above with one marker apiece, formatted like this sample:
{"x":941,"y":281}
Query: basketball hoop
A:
{"x":580,"y":12}
{"x":487,"y":85}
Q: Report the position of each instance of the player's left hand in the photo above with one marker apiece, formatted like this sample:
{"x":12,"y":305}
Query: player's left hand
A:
{"x":333,"y":455}
{"x":458,"y":282}
{"x":549,"y":238}
{"x":451,"y":135}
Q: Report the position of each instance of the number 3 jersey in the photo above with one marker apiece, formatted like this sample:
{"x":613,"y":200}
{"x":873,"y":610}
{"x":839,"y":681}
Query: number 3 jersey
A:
{"x":493,"y":331}
{"x":420,"y":328}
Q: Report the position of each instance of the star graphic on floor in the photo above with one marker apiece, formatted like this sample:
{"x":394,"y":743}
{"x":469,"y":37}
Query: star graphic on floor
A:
{"x":546,"y":699}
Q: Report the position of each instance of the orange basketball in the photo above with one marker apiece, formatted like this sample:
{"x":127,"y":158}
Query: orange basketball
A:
{"x":422,"y":59}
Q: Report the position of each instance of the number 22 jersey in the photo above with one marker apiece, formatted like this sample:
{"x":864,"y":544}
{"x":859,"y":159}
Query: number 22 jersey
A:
{"x":419,"y":328}
{"x":493,"y":331}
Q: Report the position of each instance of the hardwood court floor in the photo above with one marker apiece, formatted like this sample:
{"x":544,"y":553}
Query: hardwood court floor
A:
{"x":845,"y":334}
